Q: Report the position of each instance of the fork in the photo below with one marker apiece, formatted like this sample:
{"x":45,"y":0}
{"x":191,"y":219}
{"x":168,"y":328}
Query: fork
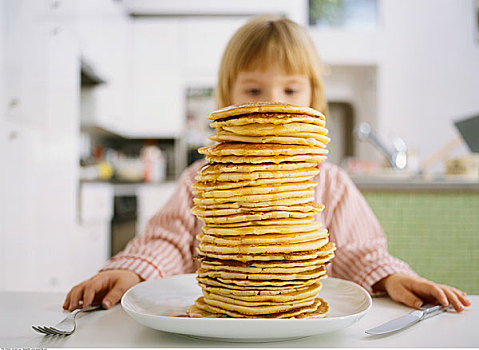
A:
{"x":67,"y":326}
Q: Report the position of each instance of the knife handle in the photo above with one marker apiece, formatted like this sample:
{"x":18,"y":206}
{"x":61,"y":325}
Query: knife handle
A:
{"x":432,"y":311}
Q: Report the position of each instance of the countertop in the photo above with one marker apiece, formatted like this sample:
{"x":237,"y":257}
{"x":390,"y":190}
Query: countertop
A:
{"x":415,"y":183}
{"x":114,"y":328}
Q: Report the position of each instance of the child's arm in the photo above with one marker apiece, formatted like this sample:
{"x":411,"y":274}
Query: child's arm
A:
{"x":165,"y":248}
{"x":361,"y":254}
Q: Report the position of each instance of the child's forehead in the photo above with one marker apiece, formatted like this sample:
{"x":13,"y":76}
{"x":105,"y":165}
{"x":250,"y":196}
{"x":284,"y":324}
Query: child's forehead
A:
{"x":274,"y":73}
{"x":264,"y":64}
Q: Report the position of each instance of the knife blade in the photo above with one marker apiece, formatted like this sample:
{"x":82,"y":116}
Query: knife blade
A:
{"x":407,"y":320}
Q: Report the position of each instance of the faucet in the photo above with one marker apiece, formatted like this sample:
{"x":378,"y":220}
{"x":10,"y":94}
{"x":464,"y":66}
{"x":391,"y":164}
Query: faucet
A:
{"x":397,"y":157}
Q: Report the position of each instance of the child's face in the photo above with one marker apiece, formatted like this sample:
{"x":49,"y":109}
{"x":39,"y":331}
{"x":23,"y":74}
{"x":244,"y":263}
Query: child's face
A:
{"x":271,"y":85}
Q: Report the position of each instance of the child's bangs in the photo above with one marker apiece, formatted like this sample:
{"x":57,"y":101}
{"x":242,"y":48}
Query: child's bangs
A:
{"x":275,"y":48}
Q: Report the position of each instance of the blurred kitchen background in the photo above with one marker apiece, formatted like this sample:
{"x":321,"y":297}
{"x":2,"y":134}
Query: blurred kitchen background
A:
{"x":103,"y":105}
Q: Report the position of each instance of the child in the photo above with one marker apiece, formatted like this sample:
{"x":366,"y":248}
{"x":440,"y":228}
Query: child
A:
{"x":268,"y":59}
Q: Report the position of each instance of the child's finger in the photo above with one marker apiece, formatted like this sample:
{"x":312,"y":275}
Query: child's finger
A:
{"x":462,"y":296}
{"x":453,"y":299}
{"x":426,"y":288}
{"x":113,"y":296}
{"x":464,"y":300}
{"x":76,"y":296}
{"x":94,"y":286}
{"x":66,"y":303}
{"x":405,"y":296}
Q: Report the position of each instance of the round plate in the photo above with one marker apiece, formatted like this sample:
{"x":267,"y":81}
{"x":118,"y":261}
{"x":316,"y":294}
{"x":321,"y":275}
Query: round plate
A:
{"x":156,"y":304}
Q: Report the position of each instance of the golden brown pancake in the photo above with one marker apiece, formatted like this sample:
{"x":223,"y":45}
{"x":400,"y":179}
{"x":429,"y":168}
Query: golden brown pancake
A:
{"x":285,"y":140}
{"x":210,"y":169}
{"x":259,"y":150}
{"x":266,"y":107}
{"x":319,"y":308}
{"x":267,"y":118}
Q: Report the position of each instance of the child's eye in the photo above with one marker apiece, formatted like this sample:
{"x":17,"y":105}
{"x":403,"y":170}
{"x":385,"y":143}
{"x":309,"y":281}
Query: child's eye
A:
{"x":290,"y":91}
{"x":253,"y":92}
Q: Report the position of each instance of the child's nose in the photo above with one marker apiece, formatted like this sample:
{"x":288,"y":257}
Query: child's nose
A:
{"x":274,"y":96}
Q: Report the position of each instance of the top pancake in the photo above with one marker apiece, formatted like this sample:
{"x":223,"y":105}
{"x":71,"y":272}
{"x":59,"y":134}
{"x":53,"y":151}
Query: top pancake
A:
{"x":267,"y":118}
{"x":264,"y":107}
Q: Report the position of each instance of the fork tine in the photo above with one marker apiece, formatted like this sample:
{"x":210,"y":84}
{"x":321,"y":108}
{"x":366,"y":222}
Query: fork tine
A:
{"x":56,"y":331}
{"x":48,"y":331}
{"x":39,"y":330}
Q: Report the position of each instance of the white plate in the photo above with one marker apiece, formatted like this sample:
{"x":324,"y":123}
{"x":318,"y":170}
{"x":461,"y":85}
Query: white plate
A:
{"x":155,"y":303}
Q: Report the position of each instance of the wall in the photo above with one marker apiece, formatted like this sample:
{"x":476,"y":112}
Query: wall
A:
{"x":2,"y":132}
{"x":429,"y":71}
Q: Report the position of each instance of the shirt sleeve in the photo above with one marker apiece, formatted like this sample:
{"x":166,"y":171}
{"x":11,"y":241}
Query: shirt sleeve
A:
{"x":167,"y":247}
{"x":361,"y":247}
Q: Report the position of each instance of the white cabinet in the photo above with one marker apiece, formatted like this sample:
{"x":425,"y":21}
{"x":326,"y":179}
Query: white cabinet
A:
{"x":26,"y":59}
{"x":151,"y":198}
{"x":39,"y":147}
{"x":101,"y":29}
{"x":156,"y":91}
{"x":90,"y":241}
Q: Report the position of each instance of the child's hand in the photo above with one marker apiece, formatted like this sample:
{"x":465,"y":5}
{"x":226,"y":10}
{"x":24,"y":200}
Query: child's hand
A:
{"x":106,"y":287}
{"x":415,"y":291}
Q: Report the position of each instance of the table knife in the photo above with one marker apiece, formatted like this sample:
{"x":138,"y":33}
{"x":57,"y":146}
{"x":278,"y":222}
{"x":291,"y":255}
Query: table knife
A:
{"x":407,"y":320}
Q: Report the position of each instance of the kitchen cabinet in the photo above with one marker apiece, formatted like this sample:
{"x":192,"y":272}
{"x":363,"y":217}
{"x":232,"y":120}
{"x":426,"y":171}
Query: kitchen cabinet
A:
{"x":90,"y":242}
{"x":151,"y":198}
{"x":40,"y":147}
{"x":156,"y":91}
{"x":26,"y":59}
{"x":101,"y":29}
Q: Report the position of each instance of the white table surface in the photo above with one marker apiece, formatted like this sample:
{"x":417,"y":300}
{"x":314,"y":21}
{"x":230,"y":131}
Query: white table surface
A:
{"x":114,"y":328}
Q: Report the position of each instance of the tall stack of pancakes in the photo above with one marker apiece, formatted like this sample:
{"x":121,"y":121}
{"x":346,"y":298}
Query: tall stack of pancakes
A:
{"x":262,"y":252}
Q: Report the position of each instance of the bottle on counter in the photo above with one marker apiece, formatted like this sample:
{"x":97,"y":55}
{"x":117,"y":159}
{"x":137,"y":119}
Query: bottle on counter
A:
{"x":154,"y":164}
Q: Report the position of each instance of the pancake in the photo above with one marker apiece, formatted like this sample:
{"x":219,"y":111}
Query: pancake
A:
{"x":209,"y":169}
{"x":214,"y":178}
{"x":260,"y":204}
{"x":258,"y":295}
{"x":220,"y":185}
{"x":252,"y":249}
{"x":267,"y":222}
{"x":319,"y":308}
{"x":257,"y":284}
{"x":266,"y":107}
{"x":273,"y":129}
{"x":271,"y":238}
{"x":299,"y":255}
{"x":254,"y":190}
{"x":255,"y":199}
{"x":251,"y":217}
{"x":261,"y":159}
{"x":248,"y":303}
{"x":259,"y":150}
{"x":256,"y":308}
{"x":262,"y":229}
{"x":271,"y":270}
{"x":276,"y":266}
{"x":266,"y":118}
{"x":285,"y":140}
{"x":266,"y":276}
{"x":310,"y":207}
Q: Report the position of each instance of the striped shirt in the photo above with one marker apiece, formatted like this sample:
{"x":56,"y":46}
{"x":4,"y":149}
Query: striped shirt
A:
{"x":168,"y":244}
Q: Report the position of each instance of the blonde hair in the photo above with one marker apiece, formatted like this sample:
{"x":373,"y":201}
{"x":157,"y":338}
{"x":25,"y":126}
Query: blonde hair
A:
{"x":264,"y":40}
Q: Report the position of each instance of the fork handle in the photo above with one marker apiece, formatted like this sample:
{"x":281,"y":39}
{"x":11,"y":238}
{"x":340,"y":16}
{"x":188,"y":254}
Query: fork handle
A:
{"x":86,"y":309}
